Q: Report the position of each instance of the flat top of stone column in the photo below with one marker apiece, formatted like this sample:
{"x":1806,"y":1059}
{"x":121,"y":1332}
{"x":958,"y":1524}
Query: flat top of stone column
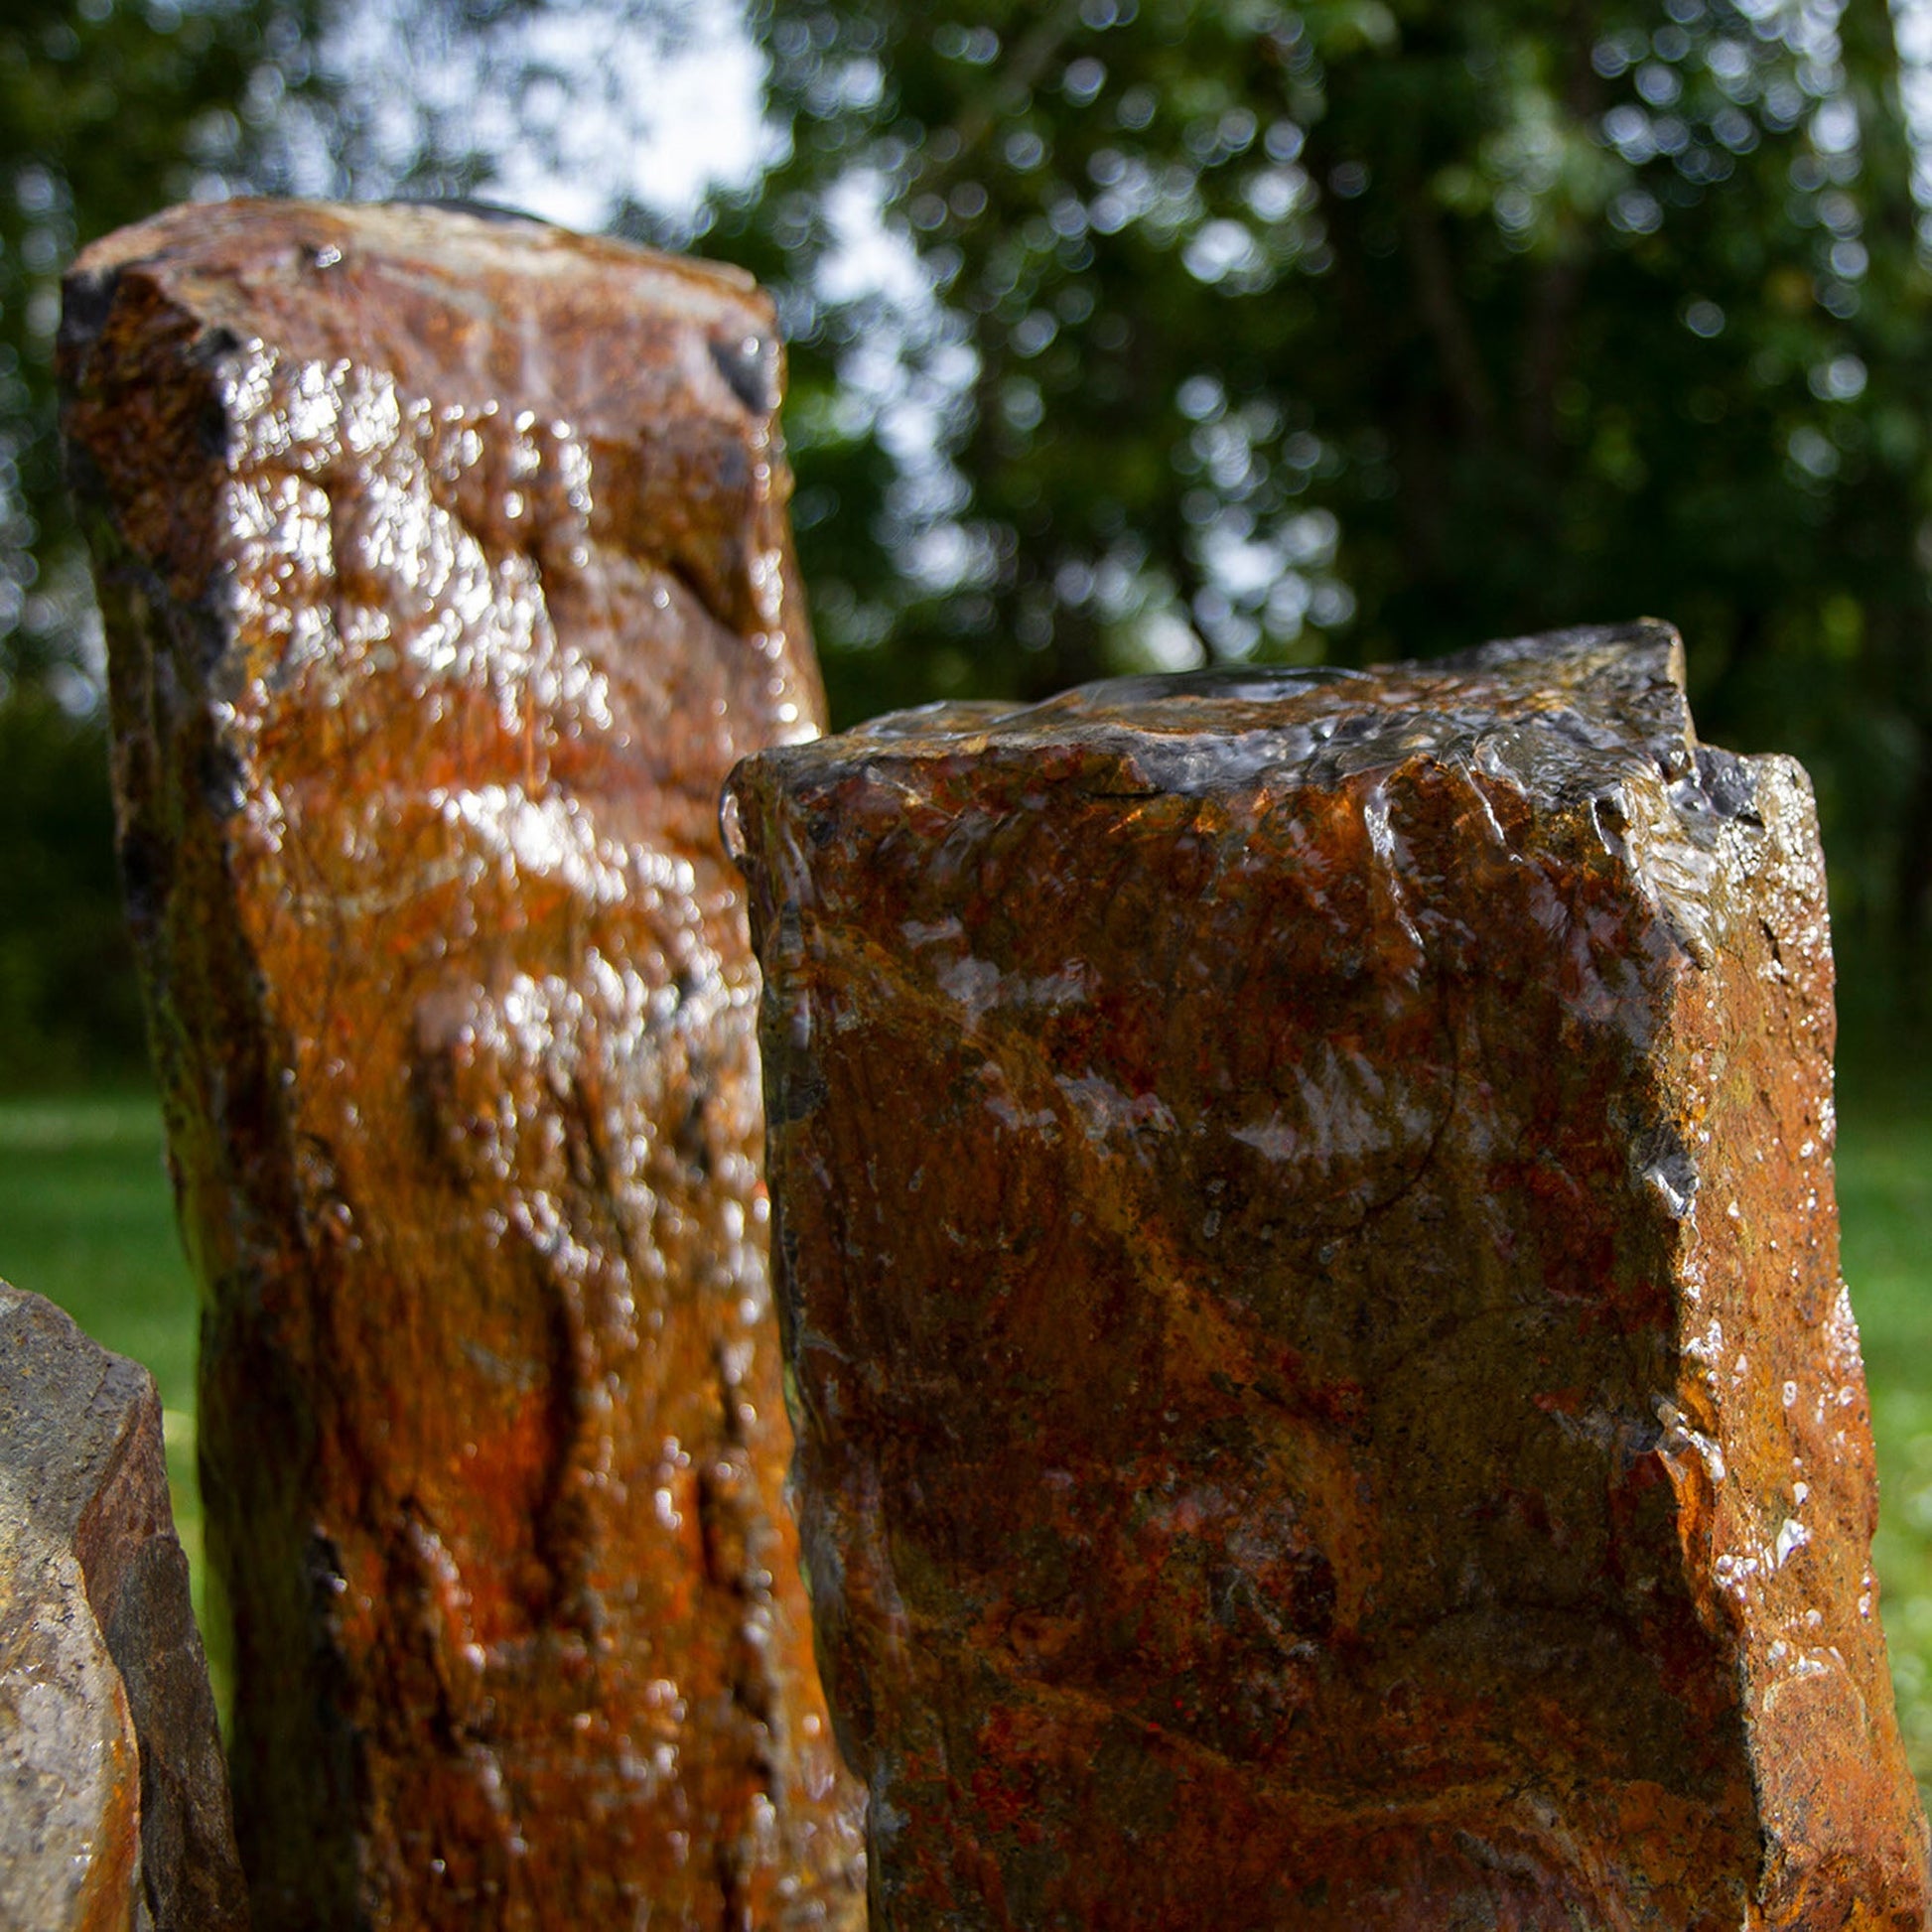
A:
{"x":1589,"y":727}
{"x":1559,"y":714}
{"x":439,"y":374}
{"x":425,"y":289}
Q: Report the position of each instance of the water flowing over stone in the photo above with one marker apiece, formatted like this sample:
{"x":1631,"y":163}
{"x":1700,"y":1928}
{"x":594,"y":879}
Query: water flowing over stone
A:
{"x":446,"y":574}
{"x":1308,"y":1257}
{"x":113,"y":1797}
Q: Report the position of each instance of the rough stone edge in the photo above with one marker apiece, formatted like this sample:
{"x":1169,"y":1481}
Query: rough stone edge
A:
{"x":136,"y":1579}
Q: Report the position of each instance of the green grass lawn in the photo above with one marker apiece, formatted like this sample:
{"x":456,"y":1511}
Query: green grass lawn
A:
{"x":86,"y":1218}
{"x":1884,"y":1198}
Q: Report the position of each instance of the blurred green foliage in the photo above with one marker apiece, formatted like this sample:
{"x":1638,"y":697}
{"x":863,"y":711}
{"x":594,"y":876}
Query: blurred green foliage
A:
{"x":1132,"y":334}
{"x":107,"y":111}
{"x":68,"y":1007}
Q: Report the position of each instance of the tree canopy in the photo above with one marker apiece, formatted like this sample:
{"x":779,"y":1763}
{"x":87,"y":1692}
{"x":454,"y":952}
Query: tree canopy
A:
{"x":106,"y":112}
{"x":1136,"y":333}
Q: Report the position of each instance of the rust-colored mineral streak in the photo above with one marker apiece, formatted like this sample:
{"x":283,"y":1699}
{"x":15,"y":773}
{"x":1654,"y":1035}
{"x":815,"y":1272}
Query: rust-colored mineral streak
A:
{"x":1306,"y":1250}
{"x":446,"y":576}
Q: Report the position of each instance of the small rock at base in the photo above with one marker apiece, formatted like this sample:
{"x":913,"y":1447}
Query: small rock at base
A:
{"x":113,"y":1795}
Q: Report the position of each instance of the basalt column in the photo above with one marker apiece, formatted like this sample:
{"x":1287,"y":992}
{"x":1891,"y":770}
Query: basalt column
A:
{"x":1306,"y":1247}
{"x":446,"y":574}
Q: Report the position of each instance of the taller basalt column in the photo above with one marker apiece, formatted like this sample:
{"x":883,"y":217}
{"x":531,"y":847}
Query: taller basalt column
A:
{"x":1306,"y":1244}
{"x":446,"y":574}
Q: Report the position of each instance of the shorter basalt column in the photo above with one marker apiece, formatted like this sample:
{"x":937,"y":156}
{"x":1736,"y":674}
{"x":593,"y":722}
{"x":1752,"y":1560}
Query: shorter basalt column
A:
{"x":1310,"y":1274}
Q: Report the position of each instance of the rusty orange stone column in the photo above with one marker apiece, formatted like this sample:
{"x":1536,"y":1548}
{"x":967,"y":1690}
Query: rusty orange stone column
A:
{"x":446,"y":574}
{"x":1309,"y":1266}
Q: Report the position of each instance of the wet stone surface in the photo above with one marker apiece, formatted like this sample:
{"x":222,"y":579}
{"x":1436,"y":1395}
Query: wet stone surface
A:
{"x":1307,"y":1256}
{"x":113,"y":1797}
{"x":446,"y":576}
